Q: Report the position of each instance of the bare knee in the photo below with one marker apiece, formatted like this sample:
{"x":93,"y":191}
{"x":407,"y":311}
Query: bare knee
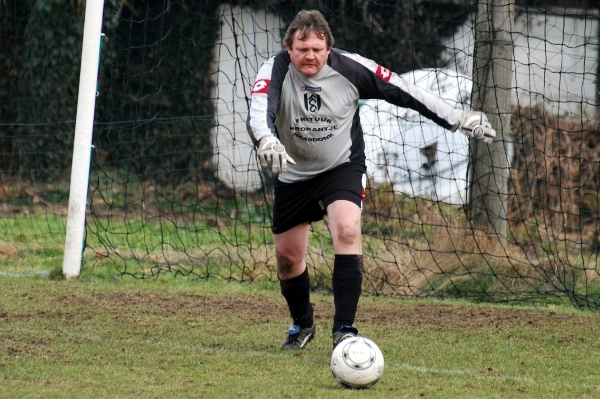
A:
{"x":347,"y":234}
{"x":285,"y":263}
{"x":290,"y":248}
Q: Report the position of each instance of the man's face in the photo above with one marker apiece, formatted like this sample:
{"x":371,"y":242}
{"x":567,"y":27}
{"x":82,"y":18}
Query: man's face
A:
{"x":310,"y":55}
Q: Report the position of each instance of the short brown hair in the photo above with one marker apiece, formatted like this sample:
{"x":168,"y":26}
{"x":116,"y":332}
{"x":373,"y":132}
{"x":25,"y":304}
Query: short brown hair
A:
{"x":309,"y":21}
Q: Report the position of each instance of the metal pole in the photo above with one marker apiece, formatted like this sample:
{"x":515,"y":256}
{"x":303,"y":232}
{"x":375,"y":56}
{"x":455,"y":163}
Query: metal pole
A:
{"x":84,"y":124}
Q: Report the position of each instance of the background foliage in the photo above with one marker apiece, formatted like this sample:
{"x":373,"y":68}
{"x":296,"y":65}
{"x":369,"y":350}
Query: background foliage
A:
{"x":154,"y":108}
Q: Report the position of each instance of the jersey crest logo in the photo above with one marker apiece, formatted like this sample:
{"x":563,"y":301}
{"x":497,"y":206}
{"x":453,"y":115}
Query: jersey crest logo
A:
{"x":384,"y":73}
{"x":261,"y":86}
{"x":312,"y":102}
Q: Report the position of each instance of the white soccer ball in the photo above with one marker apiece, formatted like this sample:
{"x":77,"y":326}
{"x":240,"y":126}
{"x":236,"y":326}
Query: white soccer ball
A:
{"x":357,"y":363}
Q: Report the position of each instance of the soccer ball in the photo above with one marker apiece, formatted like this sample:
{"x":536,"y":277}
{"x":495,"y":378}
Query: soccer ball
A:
{"x":357,"y":363}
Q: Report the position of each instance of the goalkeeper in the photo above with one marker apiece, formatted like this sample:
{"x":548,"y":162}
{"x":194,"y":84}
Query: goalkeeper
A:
{"x":304,"y":119}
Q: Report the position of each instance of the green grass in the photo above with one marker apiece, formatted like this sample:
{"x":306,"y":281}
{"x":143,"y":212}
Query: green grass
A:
{"x":108,"y":335}
{"x":111,"y":336}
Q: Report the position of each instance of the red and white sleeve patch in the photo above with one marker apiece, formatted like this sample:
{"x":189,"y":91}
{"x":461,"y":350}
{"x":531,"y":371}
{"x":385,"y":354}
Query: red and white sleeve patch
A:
{"x":261,"y":86}
{"x":384,"y":73}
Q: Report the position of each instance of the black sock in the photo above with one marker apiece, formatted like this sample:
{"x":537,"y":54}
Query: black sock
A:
{"x":347,"y":286}
{"x":296,"y":292}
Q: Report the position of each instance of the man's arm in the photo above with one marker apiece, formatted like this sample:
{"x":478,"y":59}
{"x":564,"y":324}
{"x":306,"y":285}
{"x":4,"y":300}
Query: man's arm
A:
{"x":261,"y":116}
{"x":376,"y":82}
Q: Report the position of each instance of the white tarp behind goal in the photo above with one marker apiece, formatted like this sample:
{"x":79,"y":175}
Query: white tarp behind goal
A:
{"x":412,"y":153}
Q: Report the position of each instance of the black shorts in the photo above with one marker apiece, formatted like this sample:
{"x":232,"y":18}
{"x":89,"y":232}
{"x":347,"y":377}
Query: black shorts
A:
{"x":307,"y":201}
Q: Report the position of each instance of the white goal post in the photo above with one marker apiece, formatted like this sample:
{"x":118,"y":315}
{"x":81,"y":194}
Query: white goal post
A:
{"x":84,"y":125}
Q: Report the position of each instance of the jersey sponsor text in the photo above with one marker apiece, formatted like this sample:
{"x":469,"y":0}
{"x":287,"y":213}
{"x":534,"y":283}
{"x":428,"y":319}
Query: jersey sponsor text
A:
{"x":330,"y":135}
{"x":311,"y":89}
{"x":326,"y":120}
{"x":313,"y":129}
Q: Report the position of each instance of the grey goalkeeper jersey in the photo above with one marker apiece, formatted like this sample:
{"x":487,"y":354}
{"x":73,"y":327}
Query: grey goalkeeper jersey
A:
{"x":317,"y":118}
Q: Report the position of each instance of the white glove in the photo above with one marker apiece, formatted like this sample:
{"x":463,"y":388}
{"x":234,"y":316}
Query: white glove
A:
{"x":475,"y":125}
{"x":272,"y":155}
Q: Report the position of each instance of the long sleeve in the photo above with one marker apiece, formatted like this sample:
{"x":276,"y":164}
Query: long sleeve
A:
{"x":375,"y":82}
{"x":265,"y":96}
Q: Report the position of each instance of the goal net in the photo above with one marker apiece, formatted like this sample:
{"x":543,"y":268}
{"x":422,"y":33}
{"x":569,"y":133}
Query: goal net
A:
{"x":175,"y":186}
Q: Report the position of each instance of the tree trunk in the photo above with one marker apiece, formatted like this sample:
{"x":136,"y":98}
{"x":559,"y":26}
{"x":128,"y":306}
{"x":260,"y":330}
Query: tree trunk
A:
{"x":492,"y":79}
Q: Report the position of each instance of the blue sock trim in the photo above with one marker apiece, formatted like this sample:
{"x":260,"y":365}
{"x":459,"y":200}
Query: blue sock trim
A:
{"x":295,"y":329}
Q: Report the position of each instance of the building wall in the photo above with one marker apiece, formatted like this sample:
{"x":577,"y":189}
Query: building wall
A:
{"x":247,"y":38}
{"x":555,"y":59}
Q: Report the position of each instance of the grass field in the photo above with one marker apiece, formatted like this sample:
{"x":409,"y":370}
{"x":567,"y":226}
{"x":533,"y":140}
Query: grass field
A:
{"x":110,"y":336}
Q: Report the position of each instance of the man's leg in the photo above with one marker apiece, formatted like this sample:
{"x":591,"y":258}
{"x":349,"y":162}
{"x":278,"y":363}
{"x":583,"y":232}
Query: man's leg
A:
{"x":344,"y":225}
{"x":290,"y":251}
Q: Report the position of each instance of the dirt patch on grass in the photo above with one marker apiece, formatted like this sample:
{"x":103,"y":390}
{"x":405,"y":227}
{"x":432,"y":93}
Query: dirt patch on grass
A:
{"x":74,"y":305}
{"x":452,"y":316}
{"x":256,"y":308}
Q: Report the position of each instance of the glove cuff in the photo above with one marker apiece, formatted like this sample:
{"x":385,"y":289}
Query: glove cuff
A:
{"x":267,"y":139}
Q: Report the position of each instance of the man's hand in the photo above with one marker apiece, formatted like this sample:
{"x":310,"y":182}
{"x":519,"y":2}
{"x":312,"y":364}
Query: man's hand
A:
{"x":475,"y":125}
{"x":272,"y":155}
